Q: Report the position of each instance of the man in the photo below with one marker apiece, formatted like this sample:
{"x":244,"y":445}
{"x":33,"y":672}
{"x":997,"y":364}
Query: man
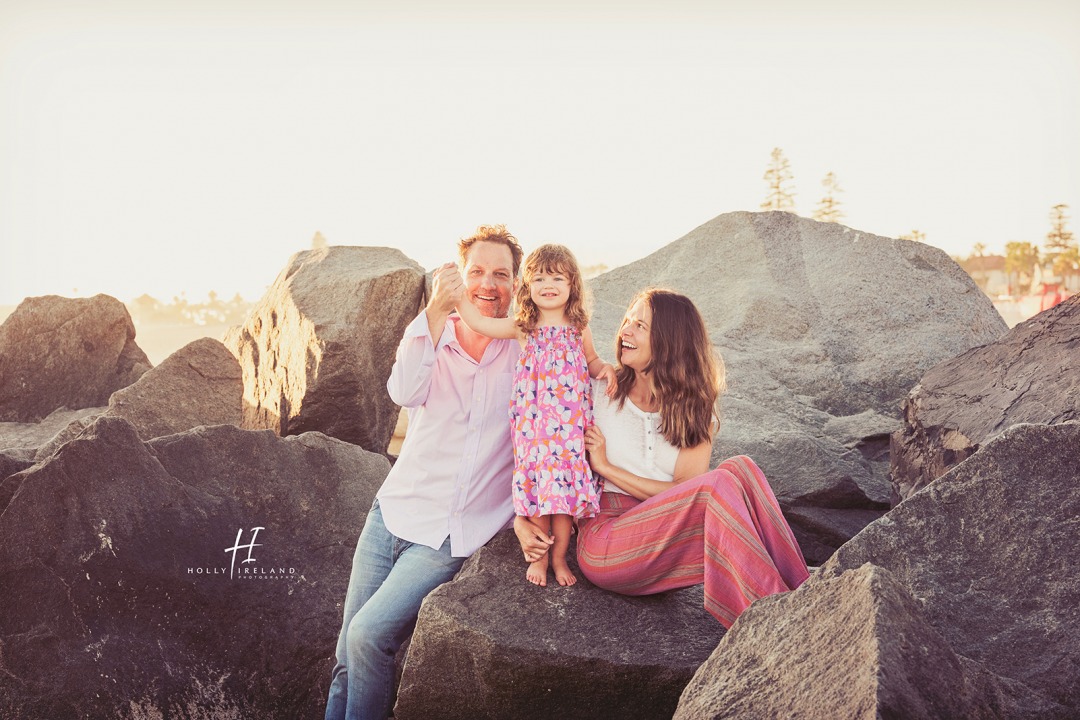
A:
{"x":449,"y":491}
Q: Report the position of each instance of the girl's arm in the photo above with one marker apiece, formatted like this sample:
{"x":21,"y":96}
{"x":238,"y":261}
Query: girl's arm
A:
{"x":498,"y":328}
{"x":691,"y":462}
{"x":597,"y":367}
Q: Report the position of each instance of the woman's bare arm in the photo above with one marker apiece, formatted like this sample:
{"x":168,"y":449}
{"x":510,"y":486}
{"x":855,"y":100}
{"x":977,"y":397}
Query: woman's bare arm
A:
{"x":691,"y":462}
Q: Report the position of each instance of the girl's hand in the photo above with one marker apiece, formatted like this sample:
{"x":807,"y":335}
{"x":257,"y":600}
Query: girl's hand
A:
{"x":607,"y":372}
{"x":596,"y":445}
{"x":534,"y":541}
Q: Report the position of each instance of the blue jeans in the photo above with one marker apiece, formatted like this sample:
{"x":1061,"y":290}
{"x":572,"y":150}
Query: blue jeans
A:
{"x":390,"y":578}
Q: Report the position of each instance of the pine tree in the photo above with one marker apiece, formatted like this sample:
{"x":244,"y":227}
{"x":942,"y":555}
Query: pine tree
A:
{"x":1060,"y":243}
{"x":778,"y":175}
{"x":828,"y":209}
{"x":1060,"y":238}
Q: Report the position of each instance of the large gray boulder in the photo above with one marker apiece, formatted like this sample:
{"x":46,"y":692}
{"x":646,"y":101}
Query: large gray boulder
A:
{"x":60,"y":352}
{"x":490,"y":645}
{"x":852,"y":646}
{"x":988,"y":550}
{"x":121,"y":599}
{"x":1030,"y":375}
{"x":824,"y":330}
{"x":317,"y":349}
{"x":199,"y":384}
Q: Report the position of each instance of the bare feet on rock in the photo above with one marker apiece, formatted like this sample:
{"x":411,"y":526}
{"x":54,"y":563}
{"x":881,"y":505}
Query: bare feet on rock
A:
{"x":537,"y":572}
{"x":563,"y":574}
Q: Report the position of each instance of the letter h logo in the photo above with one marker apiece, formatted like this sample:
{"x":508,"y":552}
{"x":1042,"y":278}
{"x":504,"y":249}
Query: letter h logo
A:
{"x":250,"y":546}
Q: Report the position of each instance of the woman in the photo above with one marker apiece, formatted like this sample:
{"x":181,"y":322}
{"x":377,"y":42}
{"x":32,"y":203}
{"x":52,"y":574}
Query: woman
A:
{"x":665,"y":521}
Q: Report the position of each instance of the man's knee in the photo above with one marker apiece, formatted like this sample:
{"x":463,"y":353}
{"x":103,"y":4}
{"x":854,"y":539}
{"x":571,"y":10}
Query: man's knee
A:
{"x":370,"y":636}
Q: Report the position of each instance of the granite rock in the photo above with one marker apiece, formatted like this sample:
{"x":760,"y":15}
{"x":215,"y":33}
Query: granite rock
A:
{"x":199,"y":384}
{"x":60,"y":352}
{"x":317,"y":349}
{"x":490,"y":645}
{"x":824,"y":330}
{"x":852,"y":646}
{"x":988,"y":550}
{"x":1030,"y":375}
{"x":120,"y":595}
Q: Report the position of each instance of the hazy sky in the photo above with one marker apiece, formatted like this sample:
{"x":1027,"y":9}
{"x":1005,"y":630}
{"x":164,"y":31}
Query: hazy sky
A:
{"x":166,"y":146}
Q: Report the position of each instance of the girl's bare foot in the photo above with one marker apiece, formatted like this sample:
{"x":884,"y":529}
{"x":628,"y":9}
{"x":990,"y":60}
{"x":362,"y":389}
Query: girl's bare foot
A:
{"x":562,"y":573}
{"x":537,"y":572}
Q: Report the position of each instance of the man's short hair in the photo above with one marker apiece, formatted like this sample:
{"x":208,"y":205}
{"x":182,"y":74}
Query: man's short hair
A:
{"x":493,"y":234}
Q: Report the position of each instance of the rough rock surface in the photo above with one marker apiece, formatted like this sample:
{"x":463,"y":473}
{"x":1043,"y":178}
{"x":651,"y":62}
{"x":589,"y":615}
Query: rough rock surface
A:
{"x":60,"y":352}
{"x":121,"y":600}
{"x":69,"y":432}
{"x":1031,"y":375}
{"x":824,"y":330}
{"x":490,"y":645}
{"x":9,"y":466}
{"x":853,"y":646}
{"x":318,"y":347}
{"x":989,"y":550}
{"x":25,"y":439}
{"x":199,"y":384}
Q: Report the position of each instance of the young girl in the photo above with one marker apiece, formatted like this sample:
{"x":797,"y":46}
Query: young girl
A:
{"x":551,"y":405}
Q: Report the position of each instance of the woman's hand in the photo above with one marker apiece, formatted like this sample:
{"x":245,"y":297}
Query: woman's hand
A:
{"x":596,"y":445}
{"x":534,"y":541}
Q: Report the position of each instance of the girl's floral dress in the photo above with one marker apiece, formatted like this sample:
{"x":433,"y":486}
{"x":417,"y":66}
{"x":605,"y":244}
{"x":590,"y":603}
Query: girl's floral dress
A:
{"x":550,"y":408}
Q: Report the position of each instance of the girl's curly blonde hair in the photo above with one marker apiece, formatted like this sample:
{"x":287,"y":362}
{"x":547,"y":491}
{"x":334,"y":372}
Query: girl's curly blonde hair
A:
{"x":551,"y":259}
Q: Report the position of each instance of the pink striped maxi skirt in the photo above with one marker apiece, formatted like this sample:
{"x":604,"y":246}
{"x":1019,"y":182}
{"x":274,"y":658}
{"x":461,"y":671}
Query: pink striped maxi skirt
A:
{"x":723,"y":528}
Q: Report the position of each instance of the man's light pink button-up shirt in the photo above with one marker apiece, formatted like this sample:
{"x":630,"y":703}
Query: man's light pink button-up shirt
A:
{"x":456,"y":465}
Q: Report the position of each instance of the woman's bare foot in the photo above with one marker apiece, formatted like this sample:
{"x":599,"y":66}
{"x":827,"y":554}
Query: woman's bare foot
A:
{"x":562,"y":573}
{"x":537,"y":572}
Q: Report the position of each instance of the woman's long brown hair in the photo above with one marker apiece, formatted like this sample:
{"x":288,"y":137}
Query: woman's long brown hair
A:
{"x":686,"y":372}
